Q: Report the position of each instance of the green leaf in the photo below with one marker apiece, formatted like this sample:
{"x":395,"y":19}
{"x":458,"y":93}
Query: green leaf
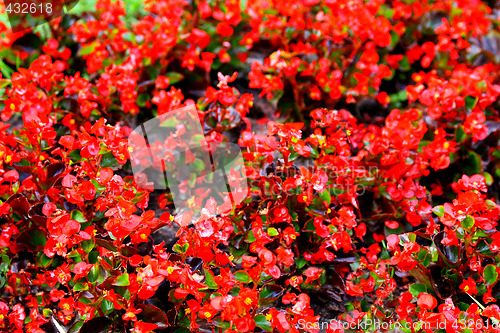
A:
{"x":5,"y":69}
{"x":174,"y":77}
{"x":76,"y":326}
{"x":314,"y":152}
{"x":142,"y":99}
{"x":85,"y":300}
{"x":300,"y":262}
{"x":468,"y":222}
{"x":490,"y":274}
{"x":93,"y":274}
{"x":404,"y":65}
{"x":270,"y":293}
{"x":122,"y":280}
{"x":78,"y":216}
{"x":483,"y":247}
{"x":460,"y":135}
{"x":177,"y":248}
{"x":33,"y":237}
{"x":263,"y":323}
{"x":325,"y":196}
{"x":45,"y":261}
{"x":98,"y":186}
{"x":250,"y":238}
{"x":210,"y":279}
{"x":107,"y":306}
{"x":417,"y":288}
{"x":489,"y":178}
{"x":293,"y":156}
{"x":80,"y":287}
{"x":272,"y":232}
{"x":74,"y":155}
{"x":470,"y":102}
{"x":242,"y":276}
{"x":220,"y":323}
{"x":473,"y":164}
{"x":424,"y":257}
{"x":438,"y":210}
{"x":88,"y":49}
{"x":108,"y":160}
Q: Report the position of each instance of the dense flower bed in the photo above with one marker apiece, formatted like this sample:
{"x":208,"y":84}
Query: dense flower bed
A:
{"x":370,"y":133}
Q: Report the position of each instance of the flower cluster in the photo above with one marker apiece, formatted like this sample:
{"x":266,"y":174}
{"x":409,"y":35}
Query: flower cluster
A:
{"x":370,"y":135}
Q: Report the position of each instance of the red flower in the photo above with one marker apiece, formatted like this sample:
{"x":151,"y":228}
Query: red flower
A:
{"x":143,"y":327}
{"x":469,"y":286}
{"x":313,"y":274}
{"x":63,"y":275}
{"x":131,"y":314}
{"x":67,"y":305}
{"x":244,"y":324}
{"x":475,"y":182}
{"x":81,"y":269}
{"x":474,"y":123}
{"x":426,"y":301}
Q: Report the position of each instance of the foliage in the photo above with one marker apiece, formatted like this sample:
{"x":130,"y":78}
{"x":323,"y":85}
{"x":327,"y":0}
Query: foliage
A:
{"x":375,"y":194}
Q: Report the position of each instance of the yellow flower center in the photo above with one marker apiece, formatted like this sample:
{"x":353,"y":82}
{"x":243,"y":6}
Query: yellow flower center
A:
{"x":208,"y":314}
{"x":247,"y":301}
